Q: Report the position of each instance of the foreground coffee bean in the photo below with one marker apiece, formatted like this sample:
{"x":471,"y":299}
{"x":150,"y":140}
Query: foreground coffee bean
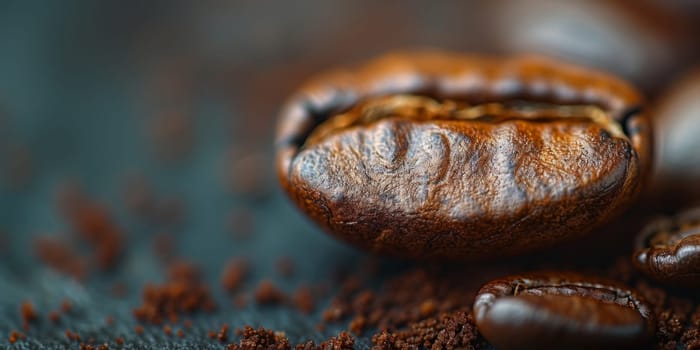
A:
{"x":561,"y":310}
{"x":668,"y":249}
{"x":437,"y":155}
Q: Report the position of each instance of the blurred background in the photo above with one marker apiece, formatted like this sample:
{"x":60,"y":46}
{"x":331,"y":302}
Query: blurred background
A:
{"x":162,"y":114}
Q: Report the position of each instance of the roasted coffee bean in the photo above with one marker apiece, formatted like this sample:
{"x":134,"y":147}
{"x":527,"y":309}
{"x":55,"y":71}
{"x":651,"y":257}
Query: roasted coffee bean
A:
{"x":668,"y":249}
{"x":561,"y":310}
{"x":438,"y":155}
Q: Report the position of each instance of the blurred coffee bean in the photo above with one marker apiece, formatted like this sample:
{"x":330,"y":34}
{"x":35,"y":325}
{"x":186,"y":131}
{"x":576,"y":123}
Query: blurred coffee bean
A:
{"x":668,"y":249}
{"x":557,"y":310}
{"x":677,"y":126}
{"x":640,"y":41}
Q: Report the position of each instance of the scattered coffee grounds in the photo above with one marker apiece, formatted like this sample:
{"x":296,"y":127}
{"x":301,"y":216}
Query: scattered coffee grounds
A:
{"x":407,"y":298}
{"x":343,"y":341}
{"x":72,"y":336}
{"x":303,"y":299}
{"x":180,"y":333}
{"x":15,"y":336}
{"x":60,"y":257}
{"x":268,"y":294}
{"x":138,"y":329}
{"x":54,"y":316}
{"x":84,"y":346}
{"x":285,"y":266}
{"x":167,"y":330}
{"x":260,"y":338}
{"x":66,"y":306}
{"x":234,"y":274}
{"x":453,"y":330}
{"x":222,"y":335}
{"x":28,"y":314}
{"x":184,"y":292}
{"x":93,"y":224}
{"x":119,"y":341}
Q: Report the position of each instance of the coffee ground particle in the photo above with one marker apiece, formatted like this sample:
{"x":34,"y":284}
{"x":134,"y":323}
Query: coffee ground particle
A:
{"x":28,"y":314}
{"x":234,"y":274}
{"x":268,"y":294}
{"x":119,"y":341}
{"x":180,"y":333}
{"x":343,"y":341}
{"x":184,"y":292}
{"x":222,"y":336}
{"x":303,"y":299}
{"x":60,"y":257}
{"x":72,"y":336}
{"x":54,"y":316}
{"x":66,"y":306}
{"x":260,"y":338}
{"x":167,"y":330}
{"x":94,"y":226}
{"x":138,"y":329}
{"x":15,"y":336}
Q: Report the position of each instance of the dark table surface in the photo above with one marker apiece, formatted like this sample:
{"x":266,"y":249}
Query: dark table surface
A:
{"x":83,"y":86}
